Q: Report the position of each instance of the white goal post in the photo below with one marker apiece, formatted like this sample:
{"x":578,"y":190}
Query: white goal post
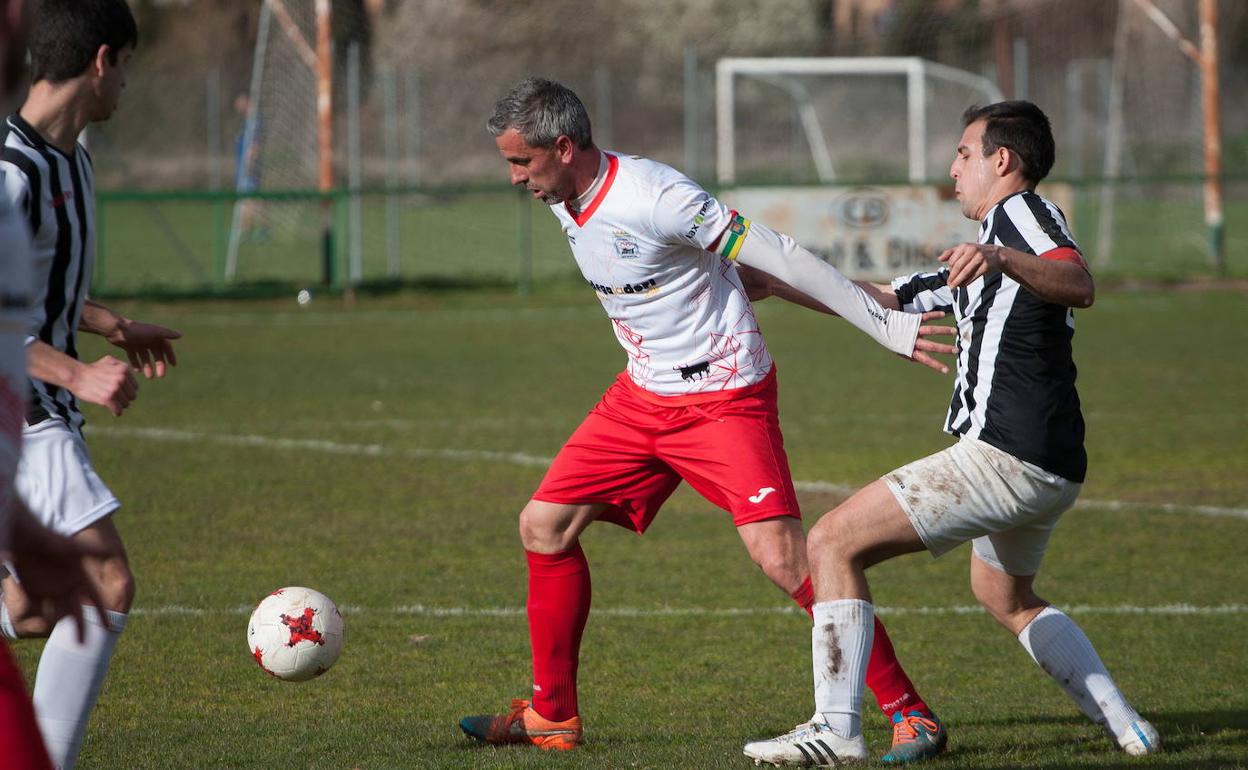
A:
{"x":882,"y":214}
{"x":778,"y":71}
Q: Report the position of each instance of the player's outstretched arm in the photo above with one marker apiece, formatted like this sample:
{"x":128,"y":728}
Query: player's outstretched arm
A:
{"x":148,"y":346}
{"x":759,"y":286}
{"x":106,"y":382}
{"x":1053,"y":280}
{"x":780,"y":257}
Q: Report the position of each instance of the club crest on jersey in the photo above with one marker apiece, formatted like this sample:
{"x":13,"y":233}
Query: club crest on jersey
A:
{"x":625,"y":245}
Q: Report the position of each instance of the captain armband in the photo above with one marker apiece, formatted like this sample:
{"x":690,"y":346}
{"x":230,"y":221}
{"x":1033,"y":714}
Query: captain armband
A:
{"x":733,"y":237}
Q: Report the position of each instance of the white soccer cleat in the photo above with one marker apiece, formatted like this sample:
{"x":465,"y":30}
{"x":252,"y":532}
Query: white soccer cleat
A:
{"x":809,"y":745}
{"x":1139,"y":738}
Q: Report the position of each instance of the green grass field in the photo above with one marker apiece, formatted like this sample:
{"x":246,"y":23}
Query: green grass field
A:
{"x":381,"y":453}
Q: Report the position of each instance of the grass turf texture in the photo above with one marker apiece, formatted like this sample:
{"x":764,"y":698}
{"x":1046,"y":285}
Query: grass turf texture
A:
{"x":214,"y":527}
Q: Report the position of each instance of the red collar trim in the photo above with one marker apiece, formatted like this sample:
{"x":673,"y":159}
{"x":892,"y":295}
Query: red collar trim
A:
{"x":613,"y":165}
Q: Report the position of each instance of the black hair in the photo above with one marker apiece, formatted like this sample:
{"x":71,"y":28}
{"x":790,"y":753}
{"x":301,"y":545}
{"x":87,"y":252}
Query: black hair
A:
{"x":65,"y":35}
{"x":1020,"y":127}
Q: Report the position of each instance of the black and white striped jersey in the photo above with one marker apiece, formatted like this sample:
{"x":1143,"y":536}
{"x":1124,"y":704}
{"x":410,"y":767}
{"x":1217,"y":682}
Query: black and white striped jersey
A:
{"x":56,"y":192}
{"x":1015,"y":386}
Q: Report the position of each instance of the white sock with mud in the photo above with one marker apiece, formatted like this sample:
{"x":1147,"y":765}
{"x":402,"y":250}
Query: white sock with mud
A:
{"x":1061,"y":648}
{"x":69,"y":679}
{"x":840,"y":648}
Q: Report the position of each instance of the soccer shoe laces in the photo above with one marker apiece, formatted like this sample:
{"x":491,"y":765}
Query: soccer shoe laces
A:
{"x":906,"y":731}
{"x":803,"y":732}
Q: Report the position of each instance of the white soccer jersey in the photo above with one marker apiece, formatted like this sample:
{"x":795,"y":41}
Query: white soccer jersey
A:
{"x":56,"y":192}
{"x":644,"y":244}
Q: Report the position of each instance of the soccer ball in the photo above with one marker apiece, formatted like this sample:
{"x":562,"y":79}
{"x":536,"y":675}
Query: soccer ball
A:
{"x":295,"y":634}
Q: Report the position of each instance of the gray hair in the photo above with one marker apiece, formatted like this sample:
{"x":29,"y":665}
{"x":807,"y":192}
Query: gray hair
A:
{"x":542,"y":111}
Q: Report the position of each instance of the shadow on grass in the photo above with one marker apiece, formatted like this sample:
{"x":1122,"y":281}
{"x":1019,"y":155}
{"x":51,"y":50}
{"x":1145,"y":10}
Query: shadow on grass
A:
{"x":1200,"y":739}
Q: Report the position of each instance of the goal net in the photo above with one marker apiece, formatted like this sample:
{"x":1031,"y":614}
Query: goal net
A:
{"x":277,"y":235}
{"x":874,"y":133}
{"x":834,"y":119}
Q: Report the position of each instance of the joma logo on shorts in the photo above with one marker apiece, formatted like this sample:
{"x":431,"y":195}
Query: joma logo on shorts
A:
{"x":762,"y":493}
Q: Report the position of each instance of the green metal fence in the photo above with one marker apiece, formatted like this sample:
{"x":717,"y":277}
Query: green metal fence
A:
{"x":178,"y":243}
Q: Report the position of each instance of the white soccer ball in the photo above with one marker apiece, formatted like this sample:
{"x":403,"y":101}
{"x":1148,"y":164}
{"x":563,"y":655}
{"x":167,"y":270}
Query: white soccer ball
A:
{"x":295,"y":634}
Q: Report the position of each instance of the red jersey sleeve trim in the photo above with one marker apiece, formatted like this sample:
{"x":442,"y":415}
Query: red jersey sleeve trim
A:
{"x":1065,"y":254}
{"x":613,"y":165}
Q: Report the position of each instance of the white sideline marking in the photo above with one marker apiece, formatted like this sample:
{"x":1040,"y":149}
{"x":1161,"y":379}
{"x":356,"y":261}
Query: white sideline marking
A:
{"x":309,"y":317}
{"x":422,"y":610}
{"x":319,"y":445}
{"x":536,"y":461}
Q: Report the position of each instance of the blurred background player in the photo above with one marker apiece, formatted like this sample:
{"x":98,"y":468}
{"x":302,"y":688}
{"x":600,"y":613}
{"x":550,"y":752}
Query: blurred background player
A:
{"x":696,"y":402}
{"x":79,"y":50}
{"x":247,"y":166}
{"x":1019,"y":462}
{"x":51,"y":565}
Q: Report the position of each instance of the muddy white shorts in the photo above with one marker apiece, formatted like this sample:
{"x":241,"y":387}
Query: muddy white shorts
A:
{"x":56,"y":479}
{"x":974,"y":491}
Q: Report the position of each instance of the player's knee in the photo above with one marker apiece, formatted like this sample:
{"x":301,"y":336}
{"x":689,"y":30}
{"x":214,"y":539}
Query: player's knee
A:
{"x":777,"y":563}
{"x":531,"y":530}
{"x":832,"y":539}
{"x":539,"y":533}
{"x":1004,"y":602}
{"x":117,"y":587}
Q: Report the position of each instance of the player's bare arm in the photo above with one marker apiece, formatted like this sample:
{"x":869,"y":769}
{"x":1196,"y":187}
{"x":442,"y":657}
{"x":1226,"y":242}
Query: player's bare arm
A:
{"x":148,"y":346}
{"x":760,"y":284}
{"x":1063,"y":283}
{"x":106,"y":382}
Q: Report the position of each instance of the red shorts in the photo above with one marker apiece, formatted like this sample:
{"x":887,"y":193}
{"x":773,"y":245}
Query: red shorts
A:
{"x":632,"y":451}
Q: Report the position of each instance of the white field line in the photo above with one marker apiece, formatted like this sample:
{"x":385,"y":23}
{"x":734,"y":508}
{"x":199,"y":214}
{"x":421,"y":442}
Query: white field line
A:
{"x":421,"y":610}
{"x":318,"y":445}
{"x":310,"y":317}
{"x":536,"y":461}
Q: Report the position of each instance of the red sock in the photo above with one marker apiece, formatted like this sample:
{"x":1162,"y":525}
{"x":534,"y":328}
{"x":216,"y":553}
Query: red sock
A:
{"x":558,"y":608}
{"x":805,"y":596}
{"x":887,"y":679}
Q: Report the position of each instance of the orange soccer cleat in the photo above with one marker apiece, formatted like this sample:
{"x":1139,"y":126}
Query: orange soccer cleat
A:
{"x":524,"y":725}
{"x":916,"y":736}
